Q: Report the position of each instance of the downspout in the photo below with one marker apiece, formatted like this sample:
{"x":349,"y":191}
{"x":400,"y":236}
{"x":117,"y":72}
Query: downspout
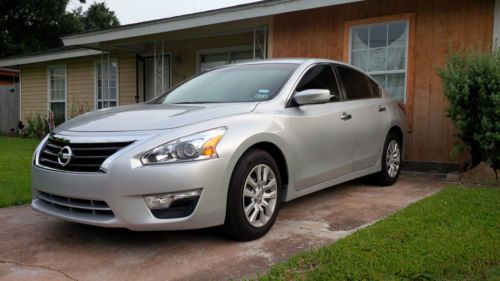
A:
{"x":496,"y":25}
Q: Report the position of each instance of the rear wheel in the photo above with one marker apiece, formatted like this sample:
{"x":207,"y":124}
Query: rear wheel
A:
{"x":391,"y":161}
{"x":253,"y":196}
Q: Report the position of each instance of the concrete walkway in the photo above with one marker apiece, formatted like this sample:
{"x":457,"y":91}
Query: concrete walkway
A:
{"x":36,"y":247}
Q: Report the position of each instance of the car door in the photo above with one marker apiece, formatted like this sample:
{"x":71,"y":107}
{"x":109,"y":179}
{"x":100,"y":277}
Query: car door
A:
{"x":322,"y":136}
{"x":367,"y":107}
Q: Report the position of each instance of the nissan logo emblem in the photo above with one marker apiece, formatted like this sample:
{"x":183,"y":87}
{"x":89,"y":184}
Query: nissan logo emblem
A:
{"x":64,"y":156}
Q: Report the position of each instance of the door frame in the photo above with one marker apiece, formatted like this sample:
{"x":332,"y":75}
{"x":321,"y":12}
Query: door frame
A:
{"x":143,"y":58}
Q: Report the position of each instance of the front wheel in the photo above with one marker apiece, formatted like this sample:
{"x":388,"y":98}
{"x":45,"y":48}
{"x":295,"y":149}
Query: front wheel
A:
{"x":253,"y":196}
{"x":391,"y":161}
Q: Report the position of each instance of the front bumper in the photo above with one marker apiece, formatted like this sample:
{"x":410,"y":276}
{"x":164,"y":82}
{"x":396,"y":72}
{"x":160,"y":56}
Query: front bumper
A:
{"x":123,"y":188}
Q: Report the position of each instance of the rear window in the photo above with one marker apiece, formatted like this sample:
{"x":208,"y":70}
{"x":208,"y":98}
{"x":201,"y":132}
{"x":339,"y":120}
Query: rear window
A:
{"x":357,"y":85}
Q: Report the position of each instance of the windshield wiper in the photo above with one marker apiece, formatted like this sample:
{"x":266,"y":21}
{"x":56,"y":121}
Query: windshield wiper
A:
{"x":195,"y":102}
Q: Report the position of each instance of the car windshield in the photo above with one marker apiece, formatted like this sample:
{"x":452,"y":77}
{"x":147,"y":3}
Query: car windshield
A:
{"x":239,"y":83}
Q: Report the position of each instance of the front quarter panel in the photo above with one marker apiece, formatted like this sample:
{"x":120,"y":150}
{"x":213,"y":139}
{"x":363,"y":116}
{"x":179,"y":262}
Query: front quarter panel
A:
{"x":243,"y":132}
{"x":398,"y":119}
{"x":247,"y":131}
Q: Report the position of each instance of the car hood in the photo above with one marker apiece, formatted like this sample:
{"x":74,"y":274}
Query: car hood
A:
{"x":146,"y":117}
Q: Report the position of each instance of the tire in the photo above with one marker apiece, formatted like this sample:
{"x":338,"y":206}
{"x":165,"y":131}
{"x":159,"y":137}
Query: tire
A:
{"x":245,"y":189}
{"x":388,"y":176}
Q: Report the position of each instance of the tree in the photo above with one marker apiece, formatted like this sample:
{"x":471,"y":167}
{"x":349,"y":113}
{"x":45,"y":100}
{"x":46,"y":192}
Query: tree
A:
{"x":471,"y":82}
{"x":33,"y":25}
{"x":98,"y":16}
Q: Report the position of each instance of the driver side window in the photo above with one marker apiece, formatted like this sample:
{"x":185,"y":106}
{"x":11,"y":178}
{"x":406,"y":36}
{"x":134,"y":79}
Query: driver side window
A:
{"x":320,"y":77}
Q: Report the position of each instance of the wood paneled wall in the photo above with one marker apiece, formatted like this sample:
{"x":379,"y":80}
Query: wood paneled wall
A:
{"x":440,"y":26}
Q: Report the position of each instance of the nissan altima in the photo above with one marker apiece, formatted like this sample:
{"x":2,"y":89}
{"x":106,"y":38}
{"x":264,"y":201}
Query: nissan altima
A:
{"x":224,"y":148}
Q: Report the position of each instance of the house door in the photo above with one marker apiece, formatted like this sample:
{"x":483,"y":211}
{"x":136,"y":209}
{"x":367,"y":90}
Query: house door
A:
{"x":156,"y":76}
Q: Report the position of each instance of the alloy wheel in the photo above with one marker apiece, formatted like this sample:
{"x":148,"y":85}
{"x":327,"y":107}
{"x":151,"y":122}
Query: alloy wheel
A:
{"x":393,"y":158}
{"x":260,"y":195}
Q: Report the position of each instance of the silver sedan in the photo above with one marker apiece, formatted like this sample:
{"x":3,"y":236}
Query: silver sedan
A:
{"x":224,"y":148}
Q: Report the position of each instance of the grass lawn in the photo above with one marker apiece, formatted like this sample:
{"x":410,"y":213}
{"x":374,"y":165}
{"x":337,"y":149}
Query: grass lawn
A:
{"x":15,"y":165}
{"x":453,"y":235}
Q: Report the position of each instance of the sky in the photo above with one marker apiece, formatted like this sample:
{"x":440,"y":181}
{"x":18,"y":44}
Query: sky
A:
{"x":131,"y":11}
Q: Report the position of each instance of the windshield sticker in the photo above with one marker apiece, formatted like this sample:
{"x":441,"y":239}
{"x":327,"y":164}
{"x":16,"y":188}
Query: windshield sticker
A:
{"x":262,"y":94}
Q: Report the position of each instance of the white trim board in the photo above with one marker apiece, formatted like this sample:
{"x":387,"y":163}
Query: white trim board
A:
{"x":496,"y":25}
{"x":258,"y":9}
{"x":20,"y":95}
{"x":48,"y":57}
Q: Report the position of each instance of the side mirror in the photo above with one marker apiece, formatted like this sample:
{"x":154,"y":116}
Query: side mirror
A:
{"x":312,"y":96}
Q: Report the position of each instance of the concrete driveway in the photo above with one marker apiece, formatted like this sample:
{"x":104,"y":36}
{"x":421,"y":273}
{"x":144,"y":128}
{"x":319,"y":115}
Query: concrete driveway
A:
{"x":36,"y":247}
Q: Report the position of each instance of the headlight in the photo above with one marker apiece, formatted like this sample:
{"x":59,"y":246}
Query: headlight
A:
{"x":200,"y":146}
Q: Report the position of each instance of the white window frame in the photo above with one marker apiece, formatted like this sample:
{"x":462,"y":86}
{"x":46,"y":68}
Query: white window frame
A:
{"x":96,"y":90}
{"x":49,"y":90}
{"x":407,"y":46}
{"x":227,"y":50}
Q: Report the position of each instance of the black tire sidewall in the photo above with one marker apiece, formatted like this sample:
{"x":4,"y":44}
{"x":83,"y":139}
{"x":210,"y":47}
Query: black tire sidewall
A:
{"x":236,"y":223}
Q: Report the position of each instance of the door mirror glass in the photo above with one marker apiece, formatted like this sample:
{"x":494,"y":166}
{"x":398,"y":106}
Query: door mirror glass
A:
{"x":312,"y":96}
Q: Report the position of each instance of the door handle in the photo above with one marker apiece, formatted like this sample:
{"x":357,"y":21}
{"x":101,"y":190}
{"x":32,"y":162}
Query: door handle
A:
{"x":381,"y":108}
{"x":345,"y":116}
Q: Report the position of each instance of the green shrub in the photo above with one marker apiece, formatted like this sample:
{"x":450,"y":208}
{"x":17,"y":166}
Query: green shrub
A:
{"x":37,"y":126}
{"x":471,"y":82}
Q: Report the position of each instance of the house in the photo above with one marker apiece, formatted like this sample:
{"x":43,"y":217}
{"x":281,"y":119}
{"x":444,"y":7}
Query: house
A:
{"x":8,"y":77}
{"x":399,"y":42}
{"x":9,"y":99}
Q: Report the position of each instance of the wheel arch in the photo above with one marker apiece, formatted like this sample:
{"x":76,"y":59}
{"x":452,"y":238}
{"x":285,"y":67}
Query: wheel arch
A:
{"x":397,"y":130}
{"x":280,"y":159}
{"x":402,"y":136}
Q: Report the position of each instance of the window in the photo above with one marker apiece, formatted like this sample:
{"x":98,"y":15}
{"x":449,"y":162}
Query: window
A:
{"x":57,"y":92}
{"x":357,"y":85}
{"x":214,"y":59}
{"x":106,"y":84}
{"x":381,"y":50}
{"x":320,"y":77}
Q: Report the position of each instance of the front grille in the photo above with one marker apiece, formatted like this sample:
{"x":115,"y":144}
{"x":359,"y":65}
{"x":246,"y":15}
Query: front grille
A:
{"x":87,"y":157}
{"x":79,"y":208}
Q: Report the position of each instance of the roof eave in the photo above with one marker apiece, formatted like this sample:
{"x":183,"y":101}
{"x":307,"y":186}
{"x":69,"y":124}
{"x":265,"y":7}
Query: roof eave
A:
{"x":258,"y":9}
{"x":14,"y":61}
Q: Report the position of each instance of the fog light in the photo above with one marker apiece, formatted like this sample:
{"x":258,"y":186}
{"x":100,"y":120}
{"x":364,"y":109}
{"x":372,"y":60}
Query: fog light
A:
{"x":164,"y":201}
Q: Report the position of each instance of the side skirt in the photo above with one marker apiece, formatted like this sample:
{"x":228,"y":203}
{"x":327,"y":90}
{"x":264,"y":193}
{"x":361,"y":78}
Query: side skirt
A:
{"x":294,"y":194}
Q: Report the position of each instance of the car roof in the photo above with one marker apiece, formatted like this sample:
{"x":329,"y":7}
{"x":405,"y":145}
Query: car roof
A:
{"x":292,"y":61}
